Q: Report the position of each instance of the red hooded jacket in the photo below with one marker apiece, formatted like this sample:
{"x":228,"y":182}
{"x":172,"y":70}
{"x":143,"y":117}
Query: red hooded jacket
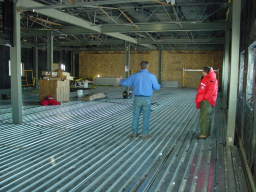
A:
{"x":208,"y":89}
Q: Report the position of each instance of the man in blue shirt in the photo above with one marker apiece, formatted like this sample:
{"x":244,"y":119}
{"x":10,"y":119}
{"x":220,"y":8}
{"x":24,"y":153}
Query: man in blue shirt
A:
{"x":143,"y":84}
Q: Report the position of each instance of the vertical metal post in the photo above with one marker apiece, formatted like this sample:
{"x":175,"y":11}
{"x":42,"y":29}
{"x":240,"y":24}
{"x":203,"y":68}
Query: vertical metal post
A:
{"x":73,"y":66}
{"x":49,"y":51}
{"x":225,"y":71}
{"x":71,"y":63}
{"x":35,"y":52}
{"x":183,"y":77}
{"x":127,"y":60}
{"x":78,"y":64}
{"x":74,"y":63}
{"x":16,"y":91}
{"x":160,"y":65}
{"x":235,"y":53}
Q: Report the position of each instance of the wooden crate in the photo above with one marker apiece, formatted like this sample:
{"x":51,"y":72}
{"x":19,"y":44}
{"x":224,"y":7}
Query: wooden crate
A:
{"x":60,"y":90}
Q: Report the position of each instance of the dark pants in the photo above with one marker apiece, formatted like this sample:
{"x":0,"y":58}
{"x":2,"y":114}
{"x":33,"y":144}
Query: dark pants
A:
{"x":206,"y":111}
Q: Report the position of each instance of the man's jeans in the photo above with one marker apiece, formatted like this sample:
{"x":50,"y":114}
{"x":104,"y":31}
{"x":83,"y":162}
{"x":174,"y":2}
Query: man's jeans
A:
{"x":206,"y":115}
{"x":141,"y":105}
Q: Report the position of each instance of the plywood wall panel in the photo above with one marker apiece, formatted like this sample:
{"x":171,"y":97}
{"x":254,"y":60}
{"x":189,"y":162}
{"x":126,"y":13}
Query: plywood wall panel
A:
{"x":112,"y":64}
{"x":151,"y":56}
{"x":106,"y":64}
{"x":175,"y":61}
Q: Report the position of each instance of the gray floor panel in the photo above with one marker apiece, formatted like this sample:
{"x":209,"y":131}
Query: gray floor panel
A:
{"x":84,"y":146}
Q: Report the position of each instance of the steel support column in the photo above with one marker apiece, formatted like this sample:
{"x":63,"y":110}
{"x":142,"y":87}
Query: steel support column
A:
{"x":226,"y":68}
{"x":127,"y":60}
{"x":16,"y":91}
{"x":61,"y":60}
{"x":35,"y":61}
{"x":160,"y":65}
{"x":49,"y":51}
{"x":76,"y":64}
{"x":73,"y":68}
{"x":235,"y":52}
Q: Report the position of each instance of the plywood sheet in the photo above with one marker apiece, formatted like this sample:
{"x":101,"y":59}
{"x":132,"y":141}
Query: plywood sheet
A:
{"x":105,"y":64}
{"x":151,"y":56}
{"x":175,"y":61}
{"x":112,"y":64}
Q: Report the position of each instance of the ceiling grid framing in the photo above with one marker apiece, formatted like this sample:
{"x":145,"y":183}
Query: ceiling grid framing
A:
{"x":102,"y":24}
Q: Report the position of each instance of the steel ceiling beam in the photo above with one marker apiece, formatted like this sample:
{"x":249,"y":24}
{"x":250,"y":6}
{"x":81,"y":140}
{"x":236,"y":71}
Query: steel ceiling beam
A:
{"x":141,"y":27}
{"x":67,"y":18}
{"x":90,"y":43}
{"x":163,"y":27}
{"x":185,"y":41}
{"x":120,"y":2}
{"x":181,"y":4}
{"x":158,"y":42}
{"x":120,"y":47}
{"x":56,"y":32}
{"x":87,"y":4}
{"x":173,"y":48}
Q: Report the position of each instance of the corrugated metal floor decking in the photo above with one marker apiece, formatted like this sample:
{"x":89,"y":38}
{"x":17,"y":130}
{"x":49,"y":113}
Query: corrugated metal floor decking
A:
{"x":84,"y":146}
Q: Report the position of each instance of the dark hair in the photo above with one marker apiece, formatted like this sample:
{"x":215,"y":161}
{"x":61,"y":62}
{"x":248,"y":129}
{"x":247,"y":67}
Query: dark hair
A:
{"x":144,"y":64}
{"x":207,"y":69}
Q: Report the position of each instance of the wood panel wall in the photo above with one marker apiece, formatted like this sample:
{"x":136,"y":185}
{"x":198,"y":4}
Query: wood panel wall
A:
{"x":112,"y":64}
{"x":151,"y":56}
{"x":105,"y":64}
{"x":175,"y":61}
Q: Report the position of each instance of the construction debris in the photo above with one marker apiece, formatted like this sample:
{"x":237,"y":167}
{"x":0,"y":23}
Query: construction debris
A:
{"x":57,"y":75}
{"x":95,"y":97}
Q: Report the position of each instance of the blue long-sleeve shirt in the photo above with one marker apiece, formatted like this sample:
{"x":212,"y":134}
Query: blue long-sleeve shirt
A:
{"x":143,"y":83}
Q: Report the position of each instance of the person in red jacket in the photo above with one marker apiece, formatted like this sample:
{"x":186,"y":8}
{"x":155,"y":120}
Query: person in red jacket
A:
{"x":206,"y":99}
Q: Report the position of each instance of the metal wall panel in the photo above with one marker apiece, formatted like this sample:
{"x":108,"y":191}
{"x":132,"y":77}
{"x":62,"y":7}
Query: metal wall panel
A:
{"x":246,"y":121}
